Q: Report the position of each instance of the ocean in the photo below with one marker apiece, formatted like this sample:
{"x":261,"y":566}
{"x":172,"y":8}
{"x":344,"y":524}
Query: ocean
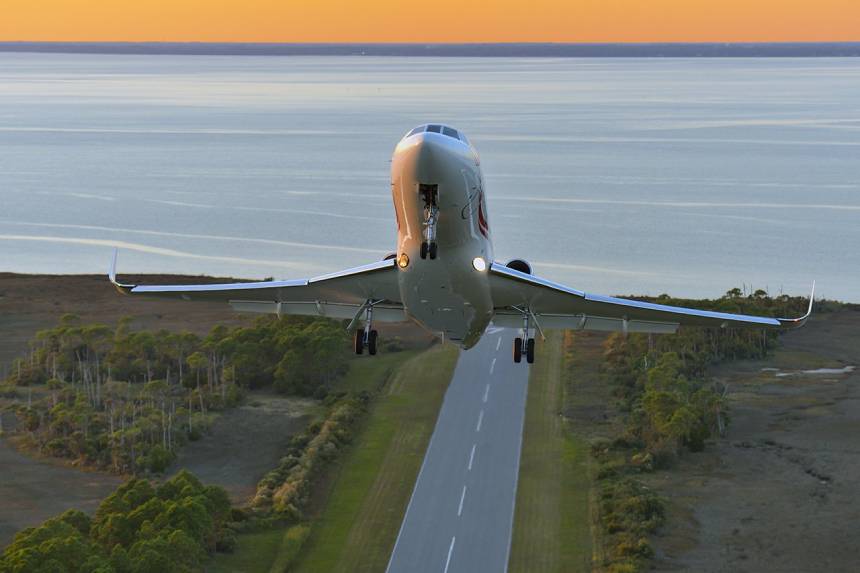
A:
{"x":688,"y":176}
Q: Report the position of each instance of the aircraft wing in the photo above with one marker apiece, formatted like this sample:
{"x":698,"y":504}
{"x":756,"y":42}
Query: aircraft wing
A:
{"x":556,"y":306}
{"x":342,"y":294}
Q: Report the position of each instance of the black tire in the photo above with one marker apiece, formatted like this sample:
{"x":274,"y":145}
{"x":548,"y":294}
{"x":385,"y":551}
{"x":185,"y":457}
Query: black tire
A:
{"x":433,"y":250}
{"x":530,"y":351}
{"x":518,"y":350}
{"x":358,"y":341}
{"x":371,"y":343}
{"x":424,"y":250}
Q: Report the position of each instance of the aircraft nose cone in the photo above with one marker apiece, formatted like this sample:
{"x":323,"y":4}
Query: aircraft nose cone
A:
{"x":428,"y":153}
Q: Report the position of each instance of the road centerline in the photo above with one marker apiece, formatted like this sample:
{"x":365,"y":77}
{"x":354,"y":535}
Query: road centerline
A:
{"x":450,"y":551}
{"x":462,"y":498}
{"x":480,"y":419}
{"x":472,"y":456}
{"x":486,"y":393}
{"x":492,"y":365}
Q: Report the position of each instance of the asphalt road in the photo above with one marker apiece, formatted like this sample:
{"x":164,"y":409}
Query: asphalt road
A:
{"x":461,"y":512}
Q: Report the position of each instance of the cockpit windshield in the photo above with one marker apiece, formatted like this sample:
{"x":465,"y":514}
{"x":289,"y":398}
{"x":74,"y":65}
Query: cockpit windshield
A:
{"x":438,"y":128}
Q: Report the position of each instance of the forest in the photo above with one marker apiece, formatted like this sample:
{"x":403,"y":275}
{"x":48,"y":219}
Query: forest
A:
{"x":125,"y":401}
{"x":140,"y":528}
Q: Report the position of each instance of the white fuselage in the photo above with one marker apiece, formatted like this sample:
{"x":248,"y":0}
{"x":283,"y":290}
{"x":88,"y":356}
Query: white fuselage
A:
{"x":447,"y":295}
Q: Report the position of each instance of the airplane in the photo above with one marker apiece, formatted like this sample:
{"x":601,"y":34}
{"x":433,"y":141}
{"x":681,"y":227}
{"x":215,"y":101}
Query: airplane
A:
{"x":443,"y":275}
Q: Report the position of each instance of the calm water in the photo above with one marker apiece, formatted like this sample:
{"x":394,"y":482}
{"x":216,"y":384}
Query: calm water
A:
{"x":687,"y":176}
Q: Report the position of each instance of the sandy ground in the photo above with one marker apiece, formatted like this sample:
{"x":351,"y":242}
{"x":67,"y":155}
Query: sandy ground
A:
{"x":780,"y":491}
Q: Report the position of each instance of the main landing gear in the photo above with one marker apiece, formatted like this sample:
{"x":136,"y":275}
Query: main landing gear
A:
{"x":430,"y":196}
{"x":362,"y":339}
{"x":525,"y":345}
{"x":367,"y":336}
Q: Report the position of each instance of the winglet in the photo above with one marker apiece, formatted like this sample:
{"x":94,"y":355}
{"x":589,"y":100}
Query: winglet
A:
{"x":122,"y":288}
{"x":789,"y":323}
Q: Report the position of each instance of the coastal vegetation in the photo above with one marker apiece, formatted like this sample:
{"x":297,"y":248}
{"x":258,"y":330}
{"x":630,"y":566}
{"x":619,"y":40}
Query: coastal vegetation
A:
{"x":140,"y":528}
{"x":669,"y":405}
{"x":125,"y":401}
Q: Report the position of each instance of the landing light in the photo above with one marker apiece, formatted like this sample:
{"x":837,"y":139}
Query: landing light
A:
{"x":480,"y":264}
{"x":403,"y":261}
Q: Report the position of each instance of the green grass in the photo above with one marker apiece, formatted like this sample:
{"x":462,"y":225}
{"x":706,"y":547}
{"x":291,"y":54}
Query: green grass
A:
{"x":552,"y":524}
{"x":274,"y":549}
{"x":357,"y":525}
{"x":254,"y":552}
{"x":370,"y":372}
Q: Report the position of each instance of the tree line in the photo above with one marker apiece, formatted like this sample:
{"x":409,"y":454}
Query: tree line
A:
{"x":126,"y":400}
{"x":140,"y":528}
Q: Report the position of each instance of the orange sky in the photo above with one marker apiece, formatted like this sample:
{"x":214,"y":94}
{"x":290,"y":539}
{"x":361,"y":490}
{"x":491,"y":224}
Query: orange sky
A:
{"x":430,"y":20}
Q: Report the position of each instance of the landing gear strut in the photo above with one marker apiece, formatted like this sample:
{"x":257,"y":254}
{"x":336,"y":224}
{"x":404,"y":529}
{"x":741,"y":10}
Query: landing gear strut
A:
{"x":430,"y":196}
{"x":525,"y":344}
{"x":365,"y":337}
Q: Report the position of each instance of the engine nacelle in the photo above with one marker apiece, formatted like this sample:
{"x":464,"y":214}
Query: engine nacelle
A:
{"x":520,"y":265}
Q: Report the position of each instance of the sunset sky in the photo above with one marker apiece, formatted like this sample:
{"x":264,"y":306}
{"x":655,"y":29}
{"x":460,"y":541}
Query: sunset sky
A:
{"x":431,"y":20}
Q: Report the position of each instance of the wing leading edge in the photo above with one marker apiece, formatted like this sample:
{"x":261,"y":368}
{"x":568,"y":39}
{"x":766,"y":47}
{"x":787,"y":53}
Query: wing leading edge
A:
{"x":556,"y":306}
{"x":342,"y":294}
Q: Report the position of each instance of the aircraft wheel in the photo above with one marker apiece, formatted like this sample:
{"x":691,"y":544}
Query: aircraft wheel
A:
{"x":530,"y":351}
{"x":518,"y":350}
{"x":371,"y":343}
{"x":433,"y":250}
{"x":424,"y":250}
{"x":358,"y":341}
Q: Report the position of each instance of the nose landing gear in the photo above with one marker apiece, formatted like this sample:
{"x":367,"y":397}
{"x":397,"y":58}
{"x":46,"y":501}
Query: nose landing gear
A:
{"x":430,"y":196}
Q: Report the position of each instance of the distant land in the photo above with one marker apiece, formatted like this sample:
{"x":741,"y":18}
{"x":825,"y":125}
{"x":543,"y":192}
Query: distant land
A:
{"x":657,"y":50}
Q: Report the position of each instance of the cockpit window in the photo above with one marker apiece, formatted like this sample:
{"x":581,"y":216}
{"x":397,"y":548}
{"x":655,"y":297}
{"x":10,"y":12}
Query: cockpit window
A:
{"x":438,"y":128}
{"x":450,"y":132}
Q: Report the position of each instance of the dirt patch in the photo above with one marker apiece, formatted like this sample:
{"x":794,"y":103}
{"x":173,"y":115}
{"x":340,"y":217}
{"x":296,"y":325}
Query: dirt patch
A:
{"x":779,"y":492}
{"x":245,"y":443}
{"x":33,"y":490}
{"x":29,"y":303}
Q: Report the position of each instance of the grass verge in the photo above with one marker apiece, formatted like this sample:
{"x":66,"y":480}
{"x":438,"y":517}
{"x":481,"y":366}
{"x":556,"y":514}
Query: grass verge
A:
{"x":276,"y":547}
{"x":357,"y":522}
{"x":552,"y":524}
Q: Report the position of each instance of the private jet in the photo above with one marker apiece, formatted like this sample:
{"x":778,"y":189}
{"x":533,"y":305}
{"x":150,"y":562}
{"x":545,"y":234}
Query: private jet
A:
{"x":443,"y":275}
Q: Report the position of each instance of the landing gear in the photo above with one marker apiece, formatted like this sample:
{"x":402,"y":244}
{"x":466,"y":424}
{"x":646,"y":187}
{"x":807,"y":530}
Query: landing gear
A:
{"x":371,"y":343}
{"x":430,"y":195}
{"x":358,"y":341}
{"x":429,"y":249}
{"x":367,"y":336}
{"x":526,"y":344}
{"x":528,"y":349}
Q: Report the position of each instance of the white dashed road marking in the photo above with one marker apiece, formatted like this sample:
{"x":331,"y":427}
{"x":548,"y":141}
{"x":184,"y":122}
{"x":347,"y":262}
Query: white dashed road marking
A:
{"x":450,"y":551}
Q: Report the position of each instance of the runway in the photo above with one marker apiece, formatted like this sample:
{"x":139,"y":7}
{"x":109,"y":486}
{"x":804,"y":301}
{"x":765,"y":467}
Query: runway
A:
{"x":460,"y":516}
